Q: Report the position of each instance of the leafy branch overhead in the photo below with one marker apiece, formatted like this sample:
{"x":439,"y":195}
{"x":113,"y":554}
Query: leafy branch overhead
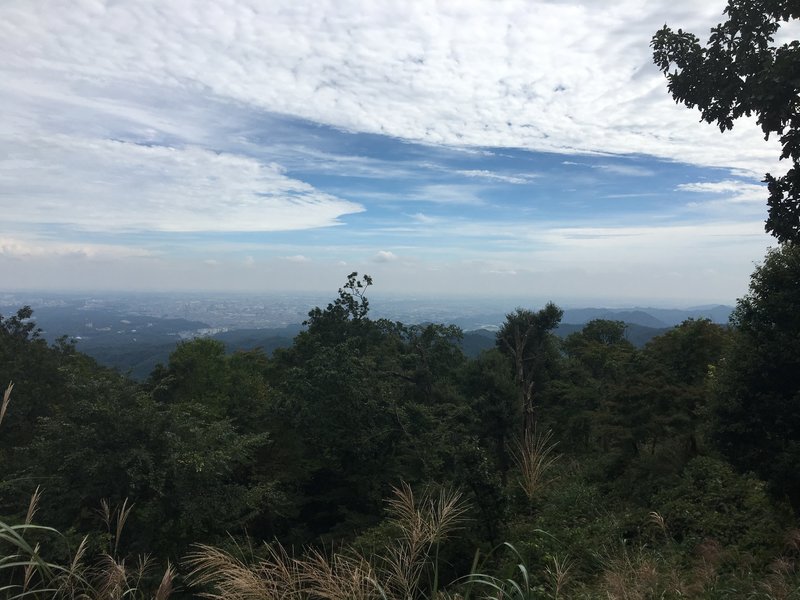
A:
{"x":741,"y":72}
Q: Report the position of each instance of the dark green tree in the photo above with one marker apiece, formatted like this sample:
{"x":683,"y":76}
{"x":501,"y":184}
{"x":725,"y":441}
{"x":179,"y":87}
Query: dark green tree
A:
{"x":489,"y":385}
{"x":25,"y":358}
{"x":335,"y":389}
{"x":600,"y":347}
{"x":598,"y":363}
{"x":195,"y":467}
{"x":345,"y":316}
{"x":526,"y":338}
{"x":741,"y":72}
{"x":757,"y":407}
{"x":676,"y":365}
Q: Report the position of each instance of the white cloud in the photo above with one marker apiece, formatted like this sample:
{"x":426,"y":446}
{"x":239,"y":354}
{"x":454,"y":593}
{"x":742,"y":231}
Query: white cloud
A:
{"x":297,"y":258}
{"x":423,"y":218}
{"x":483,"y":174}
{"x":455,"y":194}
{"x":553,"y":76}
{"x":385,"y":256}
{"x":734,"y":191}
{"x":102,"y":185}
{"x":670,"y":264}
{"x":626,"y":170}
{"x":22,"y":248}
{"x":306,"y":158}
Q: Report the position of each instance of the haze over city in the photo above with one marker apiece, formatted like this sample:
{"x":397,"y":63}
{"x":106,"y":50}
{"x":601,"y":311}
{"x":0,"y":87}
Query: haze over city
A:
{"x":517,"y":149}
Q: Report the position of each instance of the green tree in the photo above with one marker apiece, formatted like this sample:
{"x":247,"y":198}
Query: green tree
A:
{"x":598,"y":363}
{"x":195,"y":467}
{"x":25,"y":358}
{"x":335,"y":389}
{"x":710,"y":500}
{"x":526,"y":338}
{"x":493,"y":400}
{"x":677,"y":365}
{"x":600,"y":347}
{"x":660,"y":412}
{"x":345,"y":316}
{"x":741,"y":72}
{"x":757,"y":407}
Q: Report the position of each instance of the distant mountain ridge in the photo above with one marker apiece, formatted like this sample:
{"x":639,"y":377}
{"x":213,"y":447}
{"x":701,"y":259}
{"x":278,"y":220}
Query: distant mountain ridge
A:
{"x":135,"y":342}
{"x":650,"y":317}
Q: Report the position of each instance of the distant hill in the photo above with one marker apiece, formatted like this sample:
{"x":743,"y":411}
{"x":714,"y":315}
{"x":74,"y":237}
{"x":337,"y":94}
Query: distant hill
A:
{"x":581,"y":316}
{"x":139,"y":359}
{"x":650,"y":317}
{"x":478,"y":340}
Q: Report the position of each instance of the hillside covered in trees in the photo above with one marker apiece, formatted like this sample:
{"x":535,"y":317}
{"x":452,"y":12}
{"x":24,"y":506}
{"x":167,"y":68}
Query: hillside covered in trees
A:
{"x":604,"y":469}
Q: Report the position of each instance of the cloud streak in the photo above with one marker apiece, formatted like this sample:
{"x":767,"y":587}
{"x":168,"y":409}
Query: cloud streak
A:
{"x":102,"y":185}
{"x":544,"y":76}
{"x":484,"y":174}
{"x":734,"y":191}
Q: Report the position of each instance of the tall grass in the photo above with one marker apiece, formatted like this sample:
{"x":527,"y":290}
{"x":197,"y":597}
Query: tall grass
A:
{"x":24,"y":573}
{"x":534,"y":456}
{"x":406,"y":570}
{"x":6,"y":400}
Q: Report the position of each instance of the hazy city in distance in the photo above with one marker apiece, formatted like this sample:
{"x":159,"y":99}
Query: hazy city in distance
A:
{"x":240,"y":311}
{"x":99,"y":321}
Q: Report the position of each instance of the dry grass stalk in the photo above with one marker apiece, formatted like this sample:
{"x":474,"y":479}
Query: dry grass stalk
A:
{"x":781,"y":583}
{"x":33,"y":505}
{"x":431,"y":519}
{"x":165,"y":587}
{"x":72,"y":580}
{"x":705,"y":574}
{"x":118,"y":516}
{"x":655,"y":518}
{"x":776,"y":587}
{"x":276,"y":577}
{"x":422,"y":523}
{"x":343,"y":576}
{"x":394,"y":574}
{"x":30,"y":569}
{"x":6,"y":400}
{"x":630,"y":577}
{"x":534,"y":456}
{"x":559,"y":574}
{"x":134,"y":580}
{"x":793,"y":541}
{"x":122,"y":516}
{"x":403,"y":568}
{"x":113,"y":578}
{"x":108,"y":579}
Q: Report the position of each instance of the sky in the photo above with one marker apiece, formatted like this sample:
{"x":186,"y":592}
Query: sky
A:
{"x":478,"y":148}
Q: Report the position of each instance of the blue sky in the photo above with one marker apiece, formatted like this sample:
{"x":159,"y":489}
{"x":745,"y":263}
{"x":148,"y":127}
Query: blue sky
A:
{"x":512,"y":148}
